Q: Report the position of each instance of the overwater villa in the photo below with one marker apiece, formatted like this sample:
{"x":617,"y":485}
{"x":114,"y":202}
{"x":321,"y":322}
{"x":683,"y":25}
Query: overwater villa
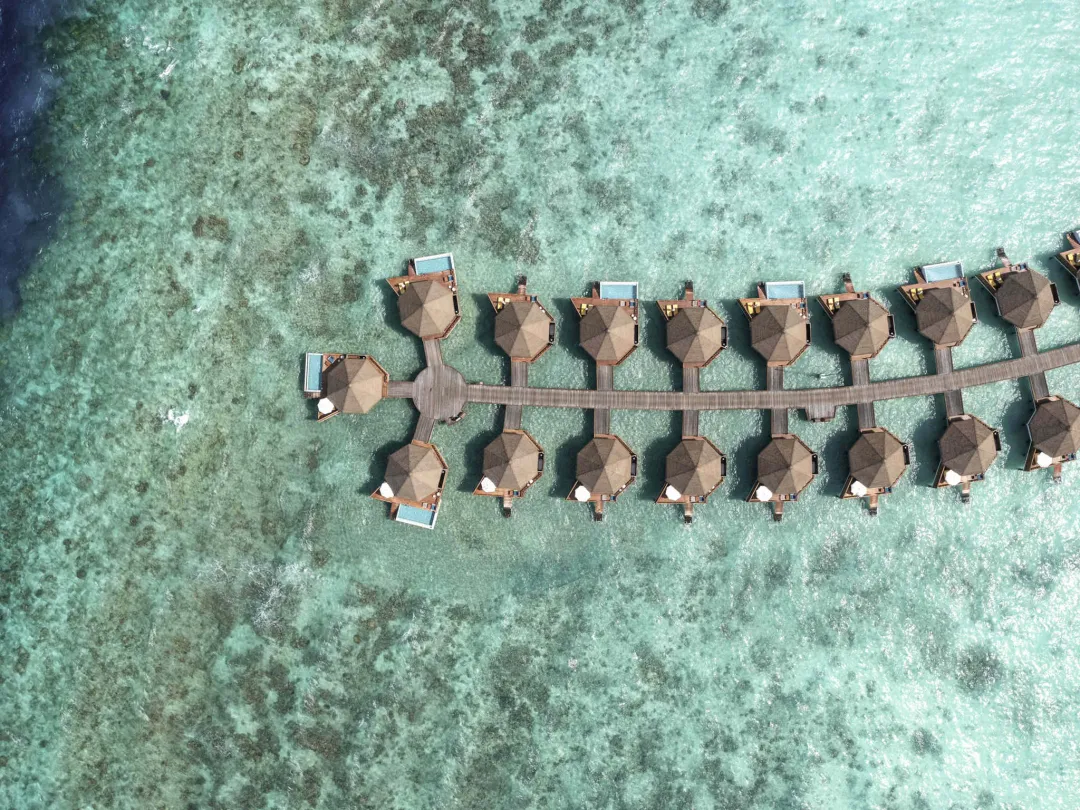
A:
{"x":784,"y":469}
{"x":695,"y":335}
{"x":606,"y":466}
{"x":968,"y":447}
{"x":862,"y":327}
{"x":692,"y":472}
{"x":876,"y":461}
{"x":1054,"y":431}
{"x":512,"y":463}
{"x":428,"y":296}
{"x":944,"y":311}
{"x":609,"y":334}
{"x":609,"y":322}
{"x":1023,"y":297}
{"x":413,"y":484}
{"x":779,"y":322}
{"x":780,"y":331}
{"x":523,"y":328}
{"x":343,"y":383}
{"x":514,"y":460}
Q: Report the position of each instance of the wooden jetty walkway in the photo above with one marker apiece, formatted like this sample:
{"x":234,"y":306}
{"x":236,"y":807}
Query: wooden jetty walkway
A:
{"x":780,"y":332}
{"x":439,"y":391}
{"x":519,"y":378}
{"x":605,"y":381}
{"x":691,"y":384}
{"x":954,"y":399}
{"x":860,"y":375}
{"x":835,"y":397}
{"x":778,"y":417}
{"x":1028,"y":348}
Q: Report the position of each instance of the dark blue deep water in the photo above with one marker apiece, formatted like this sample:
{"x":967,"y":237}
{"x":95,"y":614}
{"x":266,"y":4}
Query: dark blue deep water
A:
{"x":28,"y":195}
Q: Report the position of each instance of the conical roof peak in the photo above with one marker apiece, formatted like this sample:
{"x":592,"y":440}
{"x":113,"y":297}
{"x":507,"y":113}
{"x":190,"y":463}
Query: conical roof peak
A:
{"x":861,"y":326}
{"x":1054,"y":428}
{"x":944,"y":315}
{"x":511,"y":461}
{"x":604,"y":465}
{"x":607,"y":333}
{"x":522,"y":329}
{"x":355,"y":384}
{"x":426,"y":308}
{"x":778,"y":333}
{"x":876,"y":459}
{"x":694,"y":467}
{"x":414,"y":472}
{"x":785,"y":466}
{"x":695,"y":335}
{"x":967,"y":446}
{"x":1024,"y":299}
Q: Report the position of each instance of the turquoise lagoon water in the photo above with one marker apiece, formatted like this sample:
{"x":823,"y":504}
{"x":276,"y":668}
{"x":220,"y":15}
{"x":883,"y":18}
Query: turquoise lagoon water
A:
{"x":202,"y":607}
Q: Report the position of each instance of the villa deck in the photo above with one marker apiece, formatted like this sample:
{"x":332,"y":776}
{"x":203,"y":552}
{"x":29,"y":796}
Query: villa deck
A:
{"x":1070,"y":259}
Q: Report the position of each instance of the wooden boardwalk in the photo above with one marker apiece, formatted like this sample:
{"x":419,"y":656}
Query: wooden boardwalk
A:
{"x":954,"y":399}
{"x":691,"y":384}
{"x":519,"y":373}
{"x":519,"y":377}
{"x":860,"y":375}
{"x":778,"y":417}
{"x":399,"y":389}
{"x":424,"y":427}
{"x":926,"y":385}
{"x":605,"y":381}
{"x":433,"y":352}
{"x":1039,"y":387}
{"x":439,"y":391}
{"x":816,"y":412}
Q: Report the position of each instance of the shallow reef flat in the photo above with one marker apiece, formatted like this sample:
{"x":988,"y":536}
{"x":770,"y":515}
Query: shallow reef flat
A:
{"x":202,"y":607}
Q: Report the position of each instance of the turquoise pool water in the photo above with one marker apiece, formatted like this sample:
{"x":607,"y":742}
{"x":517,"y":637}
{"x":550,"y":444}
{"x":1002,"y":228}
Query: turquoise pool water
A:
{"x":200,"y":606}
